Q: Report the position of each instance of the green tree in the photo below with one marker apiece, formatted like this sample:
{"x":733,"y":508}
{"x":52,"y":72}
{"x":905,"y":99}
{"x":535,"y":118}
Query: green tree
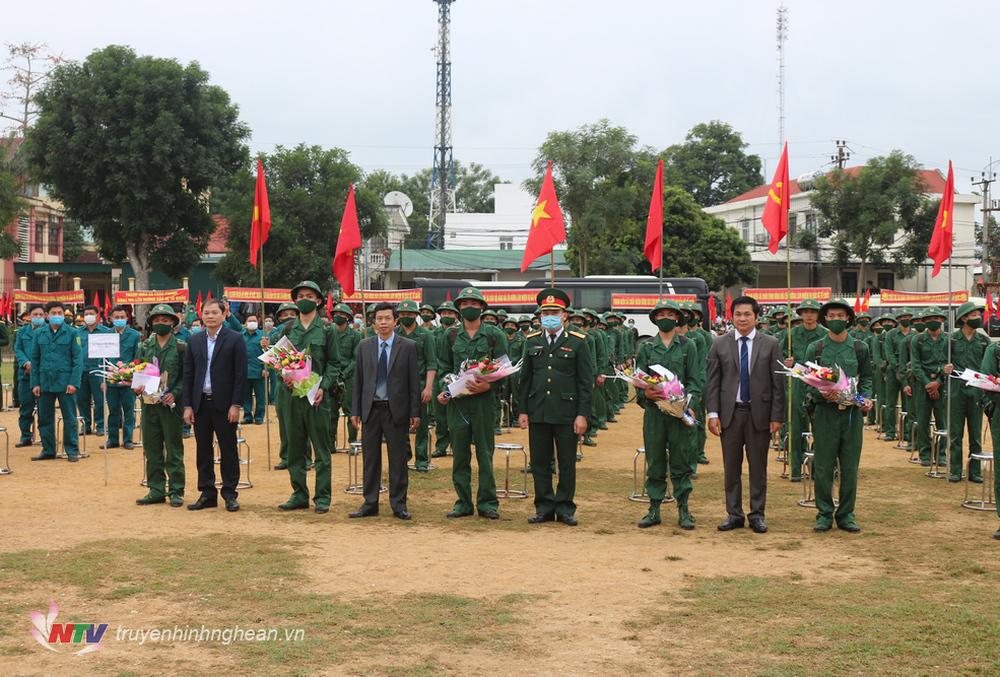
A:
{"x":131,"y":145}
{"x":861,"y":213}
{"x":74,"y":240}
{"x":10,"y":205}
{"x":712,"y":164}
{"x":307,"y":188}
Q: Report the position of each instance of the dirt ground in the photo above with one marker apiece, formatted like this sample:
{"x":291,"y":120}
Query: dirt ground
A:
{"x":579,"y":594}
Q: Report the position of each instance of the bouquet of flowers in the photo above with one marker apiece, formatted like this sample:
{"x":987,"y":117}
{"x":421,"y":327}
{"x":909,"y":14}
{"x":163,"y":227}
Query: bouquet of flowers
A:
{"x":121,"y":373}
{"x":827,"y":380}
{"x":294,"y":367}
{"x":478,"y":371}
{"x":676,"y":401}
{"x":979,"y":380}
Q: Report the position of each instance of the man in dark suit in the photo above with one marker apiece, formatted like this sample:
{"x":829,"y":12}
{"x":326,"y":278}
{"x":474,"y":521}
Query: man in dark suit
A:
{"x":745,"y":400}
{"x":387,"y":399}
{"x":215,"y":373}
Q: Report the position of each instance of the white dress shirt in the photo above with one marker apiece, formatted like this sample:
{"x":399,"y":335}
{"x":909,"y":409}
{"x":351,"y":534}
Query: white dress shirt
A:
{"x":206,"y":387}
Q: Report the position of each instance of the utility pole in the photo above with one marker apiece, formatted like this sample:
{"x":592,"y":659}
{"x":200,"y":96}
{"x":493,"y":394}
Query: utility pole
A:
{"x":443,"y":173}
{"x":842,"y":156}
{"x":985,"y":179}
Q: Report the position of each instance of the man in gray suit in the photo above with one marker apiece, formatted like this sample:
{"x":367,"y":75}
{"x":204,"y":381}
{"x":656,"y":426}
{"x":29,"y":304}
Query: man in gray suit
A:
{"x":745,"y":400}
{"x":387,"y":399}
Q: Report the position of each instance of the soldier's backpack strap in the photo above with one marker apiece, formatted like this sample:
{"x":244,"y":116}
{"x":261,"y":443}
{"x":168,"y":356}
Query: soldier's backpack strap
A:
{"x":857,"y":350}
{"x":491,"y":339}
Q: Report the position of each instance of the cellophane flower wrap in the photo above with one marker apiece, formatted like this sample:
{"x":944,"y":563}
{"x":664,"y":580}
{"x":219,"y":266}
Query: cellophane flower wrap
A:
{"x":120,"y":373}
{"x":827,"y":379}
{"x":294,"y":367}
{"x":676,"y":401}
{"x":977,"y":379}
{"x":480,"y":370}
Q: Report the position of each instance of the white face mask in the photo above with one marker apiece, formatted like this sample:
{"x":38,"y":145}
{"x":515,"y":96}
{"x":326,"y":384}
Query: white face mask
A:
{"x":268,"y":324}
{"x":252,"y":326}
{"x":90,"y":319}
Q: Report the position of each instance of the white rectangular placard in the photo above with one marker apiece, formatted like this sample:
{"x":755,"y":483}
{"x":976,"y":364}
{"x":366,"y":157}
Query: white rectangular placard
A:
{"x":103,"y":346}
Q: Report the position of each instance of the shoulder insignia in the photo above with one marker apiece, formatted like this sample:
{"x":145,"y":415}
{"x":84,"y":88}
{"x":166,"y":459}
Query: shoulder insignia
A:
{"x":578,"y":334}
{"x":534,"y":334}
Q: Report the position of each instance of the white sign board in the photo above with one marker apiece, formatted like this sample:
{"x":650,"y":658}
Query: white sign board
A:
{"x":103,"y":346}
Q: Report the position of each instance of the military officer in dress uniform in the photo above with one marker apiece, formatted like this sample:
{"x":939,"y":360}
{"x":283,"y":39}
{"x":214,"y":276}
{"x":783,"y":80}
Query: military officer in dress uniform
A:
{"x":968,"y":347}
{"x":427,"y":369}
{"x":56,"y":367}
{"x":121,"y":399}
{"x":471,"y":418}
{"x":162,"y":441}
{"x":662,"y":431}
{"x":554,"y":404}
{"x":837,"y":429}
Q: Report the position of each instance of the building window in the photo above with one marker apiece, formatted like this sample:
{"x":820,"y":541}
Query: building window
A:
{"x":810,"y":222}
{"x":745,"y":229}
{"x":506,"y":243}
{"x":886,"y":281}
{"x":793,"y":219}
{"x":39,"y":240}
{"x":849,"y":282}
{"x":54,"y":239}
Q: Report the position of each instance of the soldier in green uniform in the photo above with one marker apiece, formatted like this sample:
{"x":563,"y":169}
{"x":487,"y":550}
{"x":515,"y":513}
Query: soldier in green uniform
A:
{"x":968,"y":346}
{"x":886,"y":338}
{"x":471,"y":417}
{"x":660,"y":430}
{"x":861,"y":331}
{"x":490,"y":317}
{"x":991,"y":366}
{"x":802,"y":337}
{"x":287,"y":312}
{"x":602,"y":366}
{"x":56,"y":367}
{"x":24,"y":344}
{"x":577,"y":321}
{"x":307,"y":423}
{"x":347,"y":345}
{"x":91,"y":389}
{"x":427,"y":315}
{"x":555,"y":387}
{"x":837,"y":429}
{"x":611,"y":386}
{"x":916,"y":325}
{"x":442,"y":438}
{"x":697,"y":333}
{"x":427,"y":368}
{"x":524,"y":324}
{"x":928,"y":356}
{"x":162,"y":442}
{"x":121,"y":399}
{"x":515,"y":346}
{"x":254,"y":406}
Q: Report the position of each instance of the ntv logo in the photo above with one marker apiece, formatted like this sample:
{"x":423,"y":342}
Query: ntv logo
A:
{"x":48,"y":633}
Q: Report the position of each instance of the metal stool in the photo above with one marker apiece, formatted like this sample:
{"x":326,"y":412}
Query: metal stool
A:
{"x":355,"y":472}
{"x":7,"y":395}
{"x":914,"y":450}
{"x":138,"y":421}
{"x":879,"y":418}
{"x":60,"y":452}
{"x":986,"y":501}
{"x":243,"y":455}
{"x":342,"y":440}
{"x":808,"y":499}
{"x":935,"y":472}
{"x":579,"y":448}
{"x":883,"y":414}
{"x":430,"y":463}
{"x":639,"y":494}
{"x":507,"y":492}
{"x":901,"y":416}
{"x":5,"y":468}
{"x":505,"y":412}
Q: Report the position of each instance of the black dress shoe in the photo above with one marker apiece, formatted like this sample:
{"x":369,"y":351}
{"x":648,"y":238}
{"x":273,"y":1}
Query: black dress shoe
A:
{"x":402,"y":514}
{"x":996,"y":534}
{"x":202,"y":503}
{"x":540,"y":517}
{"x":731,"y":523}
{"x":568,"y":520}
{"x":42,"y":457}
{"x":24,"y":443}
{"x":232,"y":505}
{"x":454,"y":514}
{"x":758,"y":525}
{"x":363,"y":512}
{"x":489,"y":514}
{"x":129,"y":445}
{"x":281,"y":466}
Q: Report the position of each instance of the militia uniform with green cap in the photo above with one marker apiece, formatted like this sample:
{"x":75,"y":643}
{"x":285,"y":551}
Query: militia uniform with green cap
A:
{"x":802,"y":338}
{"x":837,"y":431}
{"x":555,"y":395}
{"x":304,"y":422}
{"x":471,"y":417}
{"x":966,"y":404}
{"x":426,"y":367}
{"x":161,"y":424}
{"x":928,"y":356}
{"x":704,"y":339}
{"x":602,"y":366}
{"x":896,"y":372}
{"x":515,"y":347}
{"x":662,"y":431}
{"x":347,"y":345}
{"x":280,"y":392}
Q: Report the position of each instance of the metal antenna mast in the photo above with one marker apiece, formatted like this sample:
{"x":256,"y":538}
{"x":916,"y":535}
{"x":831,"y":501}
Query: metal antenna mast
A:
{"x":782,"y":36}
{"x":443,"y":173}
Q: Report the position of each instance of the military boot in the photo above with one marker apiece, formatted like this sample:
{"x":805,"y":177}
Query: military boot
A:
{"x":685,"y":520}
{"x":653,"y":516}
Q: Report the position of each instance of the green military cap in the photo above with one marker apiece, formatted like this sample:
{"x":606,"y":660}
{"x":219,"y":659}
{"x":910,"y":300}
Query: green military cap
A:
{"x":510,"y":319}
{"x":537,"y":311}
{"x":695,"y":307}
{"x":447,"y":305}
{"x":163,"y":309}
{"x":524,"y":319}
{"x":489,"y":312}
{"x":933,"y":311}
{"x":308,"y":284}
{"x":966,"y":308}
{"x":343,"y":308}
{"x":407,"y":306}
{"x":576,"y":312}
{"x":371,"y":309}
{"x":502,"y":314}
{"x":288,"y":306}
{"x":589,"y":311}
{"x":685,"y":307}
{"x":552,"y":298}
{"x":807,"y":304}
{"x":796,"y":320}
{"x":471,"y":294}
{"x":906,"y":313}
{"x":428,"y":307}
{"x":836,"y":303}
{"x":665,"y":305}
{"x":864,"y":314}
{"x":779,"y":311}
{"x":885,"y":317}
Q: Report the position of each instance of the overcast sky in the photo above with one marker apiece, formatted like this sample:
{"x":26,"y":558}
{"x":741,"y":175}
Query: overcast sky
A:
{"x":914,"y":74}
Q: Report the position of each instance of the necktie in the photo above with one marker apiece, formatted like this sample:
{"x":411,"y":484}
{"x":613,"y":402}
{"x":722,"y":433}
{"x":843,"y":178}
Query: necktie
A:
{"x":744,"y":370}
{"x":552,"y":340}
{"x":383,"y":374}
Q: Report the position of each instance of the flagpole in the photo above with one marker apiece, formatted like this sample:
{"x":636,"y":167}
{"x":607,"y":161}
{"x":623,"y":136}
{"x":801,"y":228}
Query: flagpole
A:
{"x":660,"y":298}
{"x":267,"y":377}
{"x":951,"y":327}
{"x":786,"y":465}
{"x":552,"y":266}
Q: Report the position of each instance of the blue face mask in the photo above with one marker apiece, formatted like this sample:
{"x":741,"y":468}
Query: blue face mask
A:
{"x":195,"y":330}
{"x":119,"y":324}
{"x":56,"y":320}
{"x":551,"y":322}
{"x":37,"y":321}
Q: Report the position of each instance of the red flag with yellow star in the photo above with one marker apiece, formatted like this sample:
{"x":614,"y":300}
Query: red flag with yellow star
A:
{"x":547,"y":226}
{"x":775,"y":216}
{"x":348,"y":240}
{"x":260,"y":226}
{"x":940,"y":248}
